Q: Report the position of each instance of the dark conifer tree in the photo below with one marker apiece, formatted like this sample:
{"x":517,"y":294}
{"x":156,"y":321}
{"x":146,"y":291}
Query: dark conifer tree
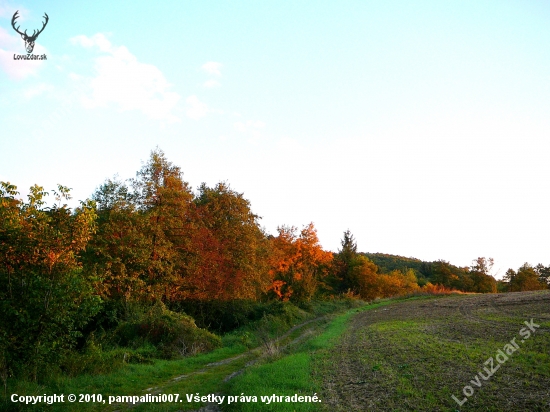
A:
{"x":345,"y":259}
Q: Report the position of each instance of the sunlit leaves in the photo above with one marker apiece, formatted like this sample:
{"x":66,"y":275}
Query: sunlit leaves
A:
{"x":44,"y":297}
{"x":299,"y":264}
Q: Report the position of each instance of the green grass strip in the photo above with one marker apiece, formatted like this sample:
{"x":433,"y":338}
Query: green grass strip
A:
{"x":290,"y":375}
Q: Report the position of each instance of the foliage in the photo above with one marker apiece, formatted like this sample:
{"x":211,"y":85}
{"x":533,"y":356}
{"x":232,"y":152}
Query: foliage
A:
{"x":526,"y":278}
{"x":173,"y":334}
{"x":343,"y":278}
{"x":156,"y":240}
{"x":224,"y":316}
{"x":364,"y":279}
{"x":124,"y":271}
{"x":388,"y":263}
{"x":120,"y":252}
{"x":483,"y":282}
{"x":543,"y":274}
{"x":396,"y":283}
{"x":45,"y":298}
{"x":230,"y":247}
{"x":299,"y":265}
{"x":372,"y":285}
{"x":476,"y":278}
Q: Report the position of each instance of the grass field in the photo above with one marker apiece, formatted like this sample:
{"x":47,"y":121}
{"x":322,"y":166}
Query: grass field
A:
{"x":415,"y":354}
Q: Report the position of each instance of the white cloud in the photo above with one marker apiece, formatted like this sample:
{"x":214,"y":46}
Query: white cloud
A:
{"x":248,"y":126}
{"x":212,"y":68}
{"x":30,"y":92}
{"x":4,"y":10}
{"x":290,"y":145}
{"x":97,"y":39}
{"x":211,"y":83}
{"x":7,"y":10}
{"x":195,"y":108}
{"x":251,"y":128}
{"x":17,"y":69}
{"x":124,"y":81}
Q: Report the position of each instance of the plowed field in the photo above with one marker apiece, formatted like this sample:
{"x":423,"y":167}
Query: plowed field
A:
{"x":417,"y":354}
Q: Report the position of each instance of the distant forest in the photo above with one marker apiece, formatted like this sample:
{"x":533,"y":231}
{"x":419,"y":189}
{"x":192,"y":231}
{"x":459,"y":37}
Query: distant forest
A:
{"x":466,"y":279}
{"x":152,"y":241}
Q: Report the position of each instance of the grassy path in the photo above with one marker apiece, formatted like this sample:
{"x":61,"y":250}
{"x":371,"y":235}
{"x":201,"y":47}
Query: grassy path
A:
{"x":204,"y":373}
{"x":293,"y":373}
{"x":211,"y":377}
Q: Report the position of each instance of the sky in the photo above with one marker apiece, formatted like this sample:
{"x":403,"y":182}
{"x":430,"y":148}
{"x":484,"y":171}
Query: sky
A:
{"x":422,"y":127}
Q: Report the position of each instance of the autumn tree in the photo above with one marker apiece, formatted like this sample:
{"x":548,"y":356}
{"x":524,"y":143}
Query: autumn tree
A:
{"x":163,"y":198}
{"x":144,"y":245}
{"x":159,"y":241}
{"x":363,"y":277}
{"x":119,"y":254}
{"x":526,"y":278}
{"x":443,"y":275}
{"x":397,"y":283}
{"x":299,"y":264}
{"x":231,"y":248}
{"x":45,"y":299}
{"x":482,"y":281}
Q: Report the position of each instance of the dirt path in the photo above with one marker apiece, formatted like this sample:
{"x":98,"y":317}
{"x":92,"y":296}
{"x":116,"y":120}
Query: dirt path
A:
{"x":414,"y":355}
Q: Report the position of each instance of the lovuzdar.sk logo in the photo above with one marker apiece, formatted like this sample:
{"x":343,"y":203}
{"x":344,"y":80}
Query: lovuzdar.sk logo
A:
{"x":29,"y":40}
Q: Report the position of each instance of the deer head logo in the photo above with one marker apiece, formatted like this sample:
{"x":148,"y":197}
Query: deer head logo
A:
{"x":29,"y":40}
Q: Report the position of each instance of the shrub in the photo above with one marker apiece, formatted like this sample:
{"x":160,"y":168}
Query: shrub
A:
{"x":45,"y":298}
{"x":173,"y":334}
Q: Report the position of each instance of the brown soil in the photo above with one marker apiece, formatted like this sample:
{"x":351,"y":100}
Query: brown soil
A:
{"x":379,"y":367}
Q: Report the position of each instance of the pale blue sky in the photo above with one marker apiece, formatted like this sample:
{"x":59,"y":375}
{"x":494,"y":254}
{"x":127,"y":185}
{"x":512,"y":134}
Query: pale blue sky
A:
{"x":421,"y":126}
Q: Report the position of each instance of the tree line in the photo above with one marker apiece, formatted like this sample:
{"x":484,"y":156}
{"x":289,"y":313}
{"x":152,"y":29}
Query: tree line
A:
{"x":151,"y":240}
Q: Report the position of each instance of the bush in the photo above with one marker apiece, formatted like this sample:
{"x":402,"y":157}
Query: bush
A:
{"x":221,"y":316}
{"x":94,"y":359}
{"x":45,"y":298}
{"x":173,"y":334}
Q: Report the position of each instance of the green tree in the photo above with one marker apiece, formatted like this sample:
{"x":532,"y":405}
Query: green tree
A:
{"x":345,"y":260}
{"x":543,"y":273}
{"x":526,"y":278}
{"x":443,"y":275}
{"x":164,"y":200}
{"x":119,"y":254}
{"x":482,"y":281}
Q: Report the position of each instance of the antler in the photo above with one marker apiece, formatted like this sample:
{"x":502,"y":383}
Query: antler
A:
{"x":15,"y":16}
{"x":43,"y":26}
{"x":34,"y":33}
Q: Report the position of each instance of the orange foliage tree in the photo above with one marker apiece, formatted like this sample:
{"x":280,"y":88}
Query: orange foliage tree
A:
{"x":299,"y":264}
